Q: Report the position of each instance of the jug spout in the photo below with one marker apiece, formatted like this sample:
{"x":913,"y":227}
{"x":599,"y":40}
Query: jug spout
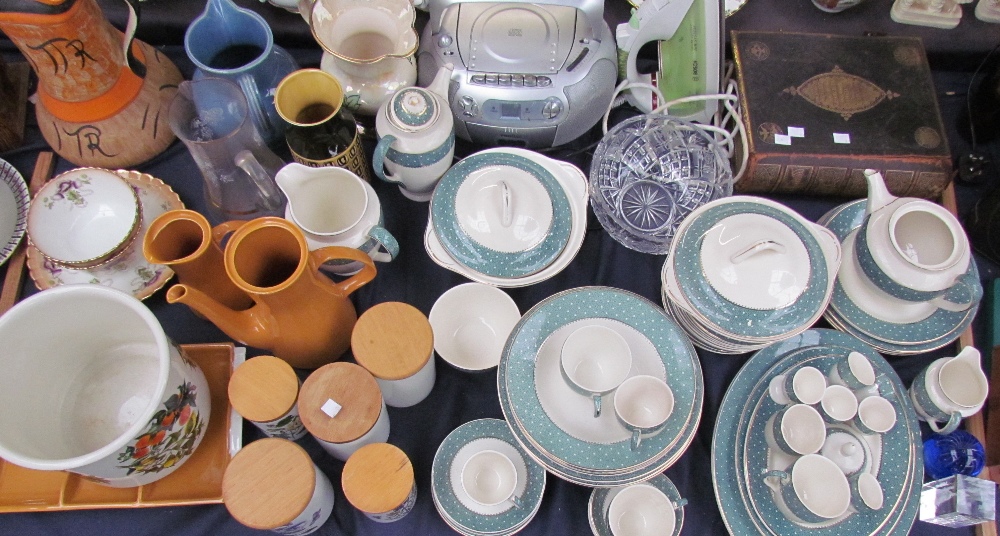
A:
{"x":442,"y":79}
{"x":969,"y":355}
{"x":247,"y":326}
{"x":878,"y":195}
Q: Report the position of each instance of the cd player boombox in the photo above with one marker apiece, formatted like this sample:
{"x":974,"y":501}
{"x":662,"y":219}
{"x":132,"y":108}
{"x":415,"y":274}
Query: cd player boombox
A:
{"x":536,"y":74}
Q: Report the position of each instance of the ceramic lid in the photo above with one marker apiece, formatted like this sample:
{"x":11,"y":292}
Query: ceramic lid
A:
{"x":413,"y":109}
{"x":377,"y":478}
{"x":263,"y":388}
{"x":845,"y":449}
{"x":393,"y":340}
{"x":268,"y":483}
{"x":755,"y":261}
{"x":351,"y":387}
{"x":503,"y":210}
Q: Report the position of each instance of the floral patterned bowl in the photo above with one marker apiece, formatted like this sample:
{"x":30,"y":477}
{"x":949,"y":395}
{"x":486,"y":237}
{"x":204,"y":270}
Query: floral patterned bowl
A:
{"x":84,"y":218}
{"x":94,"y":386}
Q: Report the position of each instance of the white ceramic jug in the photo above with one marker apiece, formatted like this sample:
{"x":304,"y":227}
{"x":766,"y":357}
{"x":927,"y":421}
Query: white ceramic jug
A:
{"x":915,"y":250}
{"x":950,"y":389}
{"x":416,"y":133}
{"x":334,"y":207}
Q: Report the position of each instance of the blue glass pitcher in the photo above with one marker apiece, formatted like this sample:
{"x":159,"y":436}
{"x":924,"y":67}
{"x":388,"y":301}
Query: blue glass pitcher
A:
{"x":227,"y":41}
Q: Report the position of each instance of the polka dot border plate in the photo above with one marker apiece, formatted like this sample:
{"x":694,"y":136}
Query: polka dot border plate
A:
{"x":14,"y":199}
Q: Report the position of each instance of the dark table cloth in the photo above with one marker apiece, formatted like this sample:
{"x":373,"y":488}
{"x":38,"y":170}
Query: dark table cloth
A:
{"x":412,"y":278}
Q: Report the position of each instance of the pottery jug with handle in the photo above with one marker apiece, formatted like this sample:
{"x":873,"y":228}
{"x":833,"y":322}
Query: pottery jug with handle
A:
{"x":298,"y":315}
{"x":102,"y":96}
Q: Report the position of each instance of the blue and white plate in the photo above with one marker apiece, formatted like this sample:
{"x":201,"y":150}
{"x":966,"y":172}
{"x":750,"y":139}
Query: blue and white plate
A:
{"x":600,"y":502}
{"x":742,"y":322}
{"x":457,"y":225}
{"x":937,"y":330}
{"x":449,"y":498}
{"x":14,"y":200}
{"x":570,"y":457}
{"x":740,"y":453}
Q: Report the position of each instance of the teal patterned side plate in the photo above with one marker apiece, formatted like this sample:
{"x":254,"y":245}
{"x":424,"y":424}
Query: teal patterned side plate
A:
{"x":600,"y":501}
{"x":939,"y":329}
{"x":565,"y":455}
{"x":453,"y":508}
{"x":474,"y":255}
{"x":732,"y":318}
{"x":739,"y":453}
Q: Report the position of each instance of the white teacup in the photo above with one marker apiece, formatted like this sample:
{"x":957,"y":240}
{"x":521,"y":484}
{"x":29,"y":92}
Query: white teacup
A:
{"x":641,"y":510}
{"x":866,"y":492}
{"x":814,"y":491}
{"x":854,"y":372}
{"x":595,"y":360}
{"x":803,"y":386}
{"x":490,"y":478}
{"x":876,"y":415}
{"x":838,"y":404}
{"x":797,"y":430}
{"x":92,"y":385}
{"x":643,"y":404}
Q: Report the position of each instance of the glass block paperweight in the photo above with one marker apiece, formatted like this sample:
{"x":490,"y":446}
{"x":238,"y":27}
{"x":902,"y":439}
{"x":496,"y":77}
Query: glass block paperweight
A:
{"x":958,"y":501}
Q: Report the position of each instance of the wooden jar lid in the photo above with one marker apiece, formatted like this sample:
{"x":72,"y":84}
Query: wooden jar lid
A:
{"x":393,"y":340}
{"x":263,"y":388}
{"x":377,"y":478}
{"x":350,"y":386}
{"x":268,"y":483}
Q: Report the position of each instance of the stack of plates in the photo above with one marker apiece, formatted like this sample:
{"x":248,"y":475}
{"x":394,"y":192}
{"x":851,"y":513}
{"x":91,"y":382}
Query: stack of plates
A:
{"x":507,"y":217}
{"x":741,"y":454}
{"x":919,"y":328}
{"x":744,"y":272}
{"x":457,"y":508}
{"x":556,"y":425}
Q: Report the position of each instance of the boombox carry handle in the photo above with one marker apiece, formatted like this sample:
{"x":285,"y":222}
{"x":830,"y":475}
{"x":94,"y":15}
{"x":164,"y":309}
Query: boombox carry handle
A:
{"x":594,"y":9}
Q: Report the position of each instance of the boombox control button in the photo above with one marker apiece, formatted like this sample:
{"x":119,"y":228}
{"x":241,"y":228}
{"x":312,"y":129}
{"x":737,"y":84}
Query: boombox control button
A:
{"x":469,"y":106}
{"x":504,"y":79}
{"x":444,"y":41}
{"x":552,"y":108}
{"x":478,"y":79}
{"x":544,"y":81}
{"x":530,"y":80}
{"x":491,"y":79}
{"x":517,"y":79}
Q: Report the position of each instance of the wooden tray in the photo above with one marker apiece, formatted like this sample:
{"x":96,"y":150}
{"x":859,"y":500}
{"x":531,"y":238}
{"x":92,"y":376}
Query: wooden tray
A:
{"x":198,"y":481}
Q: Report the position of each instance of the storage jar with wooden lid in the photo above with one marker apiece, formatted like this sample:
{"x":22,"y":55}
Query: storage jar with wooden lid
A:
{"x":378,"y":480}
{"x":341,"y":405}
{"x":395,"y":342}
{"x":272,"y":484}
{"x":264,"y":391}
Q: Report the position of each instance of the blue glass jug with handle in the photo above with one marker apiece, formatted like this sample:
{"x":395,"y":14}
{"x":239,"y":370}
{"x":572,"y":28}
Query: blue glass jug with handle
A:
{"x":230,"y":42}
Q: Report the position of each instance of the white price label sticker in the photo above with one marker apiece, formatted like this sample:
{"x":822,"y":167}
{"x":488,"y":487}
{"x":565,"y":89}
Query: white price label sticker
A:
{"x":797,"y":132}
{"x":841,"y":137}
{"x":782,"y":139}
{"x":331,"y":408}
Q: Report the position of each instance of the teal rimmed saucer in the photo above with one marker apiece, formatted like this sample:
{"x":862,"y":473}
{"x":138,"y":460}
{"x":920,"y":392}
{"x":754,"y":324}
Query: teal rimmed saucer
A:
{"x":472,"y":254}
{"x":448,"y":503}
{"x":600,"y":502}
{"x":580,"y":461}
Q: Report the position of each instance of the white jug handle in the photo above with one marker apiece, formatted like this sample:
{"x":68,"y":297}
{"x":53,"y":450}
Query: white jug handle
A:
{"x":949,"y":427}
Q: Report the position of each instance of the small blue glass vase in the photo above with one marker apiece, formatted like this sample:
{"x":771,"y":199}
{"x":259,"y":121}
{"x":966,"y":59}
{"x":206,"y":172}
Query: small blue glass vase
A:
{"x":957,"y":453}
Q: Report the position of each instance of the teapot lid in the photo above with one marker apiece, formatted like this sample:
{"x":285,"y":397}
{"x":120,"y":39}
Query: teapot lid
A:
{"x":413,"y":109}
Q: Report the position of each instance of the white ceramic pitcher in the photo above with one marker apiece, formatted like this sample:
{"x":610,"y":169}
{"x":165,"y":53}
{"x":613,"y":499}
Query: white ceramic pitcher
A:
{"x":950,"y":389}
{"x":334,"y":207}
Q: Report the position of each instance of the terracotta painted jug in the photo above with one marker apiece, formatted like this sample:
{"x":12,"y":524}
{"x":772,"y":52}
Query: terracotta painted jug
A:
{"x":97,"y":106}
{"x":299,"y":315}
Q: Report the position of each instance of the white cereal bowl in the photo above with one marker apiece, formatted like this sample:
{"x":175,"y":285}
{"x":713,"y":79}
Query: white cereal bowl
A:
{"x":84,"y":217}
{"x":471,"y":323}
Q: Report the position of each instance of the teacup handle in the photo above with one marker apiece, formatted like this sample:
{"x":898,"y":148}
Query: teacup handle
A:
{"x":963,"y":294}
{"x":385,"y":241}
{"x":636,"y":439}
{"x":356,"y":281}
{"x":516,"y":501}
{"x":378,"y":158}
{"x":680,"y":503}
{"x":782,"y":476}
{"x":949,"y":427}
{"x":597,"y":405}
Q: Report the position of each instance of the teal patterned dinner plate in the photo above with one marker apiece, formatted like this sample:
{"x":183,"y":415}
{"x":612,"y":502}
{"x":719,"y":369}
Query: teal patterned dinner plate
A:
{"x":571,"y":458}
{"x":939,"y":329}
{"x":740,"y":452}
{"x":450,"y":505}
{"x":469,"y":252}
{"x":740,"y":321}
